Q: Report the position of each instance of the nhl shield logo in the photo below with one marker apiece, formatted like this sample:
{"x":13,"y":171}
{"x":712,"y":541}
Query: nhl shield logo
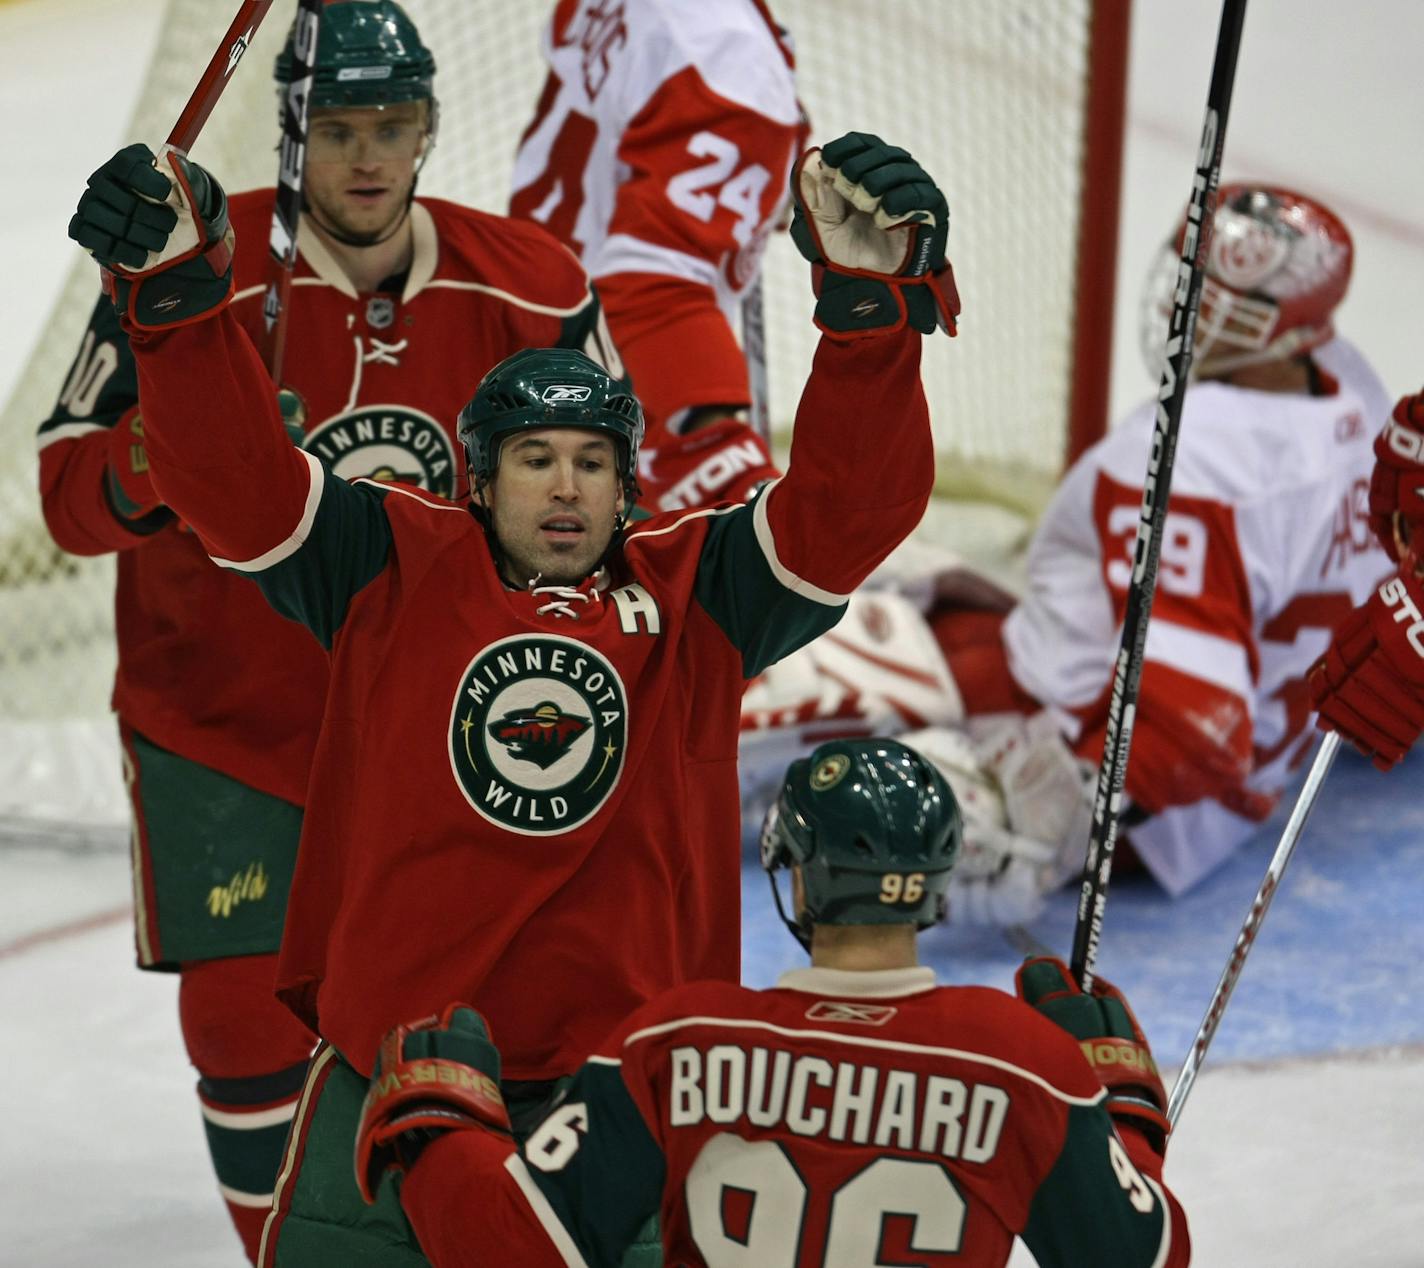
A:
{"x":538,"y":733}
{"x":387,"y":442}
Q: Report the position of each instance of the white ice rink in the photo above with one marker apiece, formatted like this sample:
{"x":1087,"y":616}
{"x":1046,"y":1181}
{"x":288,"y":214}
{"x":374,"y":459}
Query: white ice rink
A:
{"x":1301,"y":1162}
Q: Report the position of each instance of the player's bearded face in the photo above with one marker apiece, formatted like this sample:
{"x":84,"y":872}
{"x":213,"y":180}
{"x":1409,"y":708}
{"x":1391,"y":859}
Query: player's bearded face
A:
{"x":553,"y":503}
{"x":360,"y":167}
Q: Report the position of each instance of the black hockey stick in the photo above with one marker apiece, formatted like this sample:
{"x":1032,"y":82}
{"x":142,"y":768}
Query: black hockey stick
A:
{"x":1251,"y":926}
{"x":1127,"y":673}
{"x":287,"y":207}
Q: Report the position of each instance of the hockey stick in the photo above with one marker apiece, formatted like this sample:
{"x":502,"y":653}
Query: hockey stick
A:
{"x":1127,"y":673}
{"x":214,"y":78}
{"x":1304,"y":803}
{"x":287,"y":207}
{"x":754,"y":349}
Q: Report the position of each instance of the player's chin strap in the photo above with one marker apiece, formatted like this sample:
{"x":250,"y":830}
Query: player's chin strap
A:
{"x":800,"y":929}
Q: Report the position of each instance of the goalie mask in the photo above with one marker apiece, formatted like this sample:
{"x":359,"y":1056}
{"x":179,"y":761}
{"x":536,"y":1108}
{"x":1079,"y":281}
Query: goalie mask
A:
{"x":550,"y":387}
{"x":1277,"y":267}
{"x":874,"y":829}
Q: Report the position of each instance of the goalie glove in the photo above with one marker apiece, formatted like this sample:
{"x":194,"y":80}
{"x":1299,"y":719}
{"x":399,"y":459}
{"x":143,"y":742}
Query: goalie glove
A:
{"x":433,"y":1076}
{"x":1369,"y":685}
{"x":161,"y":237}
{"x":1397,"y":482}
{"x":1111,"y":1039}
{"x":721,"y":462}
{"x":874,"y":226}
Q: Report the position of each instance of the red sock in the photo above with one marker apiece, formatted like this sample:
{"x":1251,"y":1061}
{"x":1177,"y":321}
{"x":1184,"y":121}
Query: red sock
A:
{"x":251,"y":1054}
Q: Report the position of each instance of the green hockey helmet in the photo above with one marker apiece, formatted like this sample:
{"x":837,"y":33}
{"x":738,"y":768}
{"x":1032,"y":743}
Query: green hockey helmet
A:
{"x":875,"y":830}
{"x":369,"y":53}
{"x":550,"y":387}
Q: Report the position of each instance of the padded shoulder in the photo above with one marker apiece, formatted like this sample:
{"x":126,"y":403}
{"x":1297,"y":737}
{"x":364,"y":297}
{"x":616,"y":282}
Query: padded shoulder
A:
{"x":517,"y":257}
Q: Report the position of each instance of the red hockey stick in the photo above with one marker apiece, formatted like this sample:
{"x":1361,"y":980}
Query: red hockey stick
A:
{"x":210,"y":87}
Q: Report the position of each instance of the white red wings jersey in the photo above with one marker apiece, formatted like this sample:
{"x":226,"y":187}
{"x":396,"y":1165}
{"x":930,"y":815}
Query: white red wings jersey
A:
{"x":205,"y":668}
{"x":1266,"y":547}
{"x":525,"y":799}
{"x":841,"y":1118}
{"x":661,"y":150}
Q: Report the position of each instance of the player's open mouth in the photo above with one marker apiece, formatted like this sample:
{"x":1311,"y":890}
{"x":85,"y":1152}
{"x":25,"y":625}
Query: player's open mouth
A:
{"x":562,"y":529}
{"x":367,"y":193}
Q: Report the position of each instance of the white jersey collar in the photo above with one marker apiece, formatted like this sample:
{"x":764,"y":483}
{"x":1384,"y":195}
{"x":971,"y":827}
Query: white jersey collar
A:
{"x":856,"y":984}
{"x":425,"y":255}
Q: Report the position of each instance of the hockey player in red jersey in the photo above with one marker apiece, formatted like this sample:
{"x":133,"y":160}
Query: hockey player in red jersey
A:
{"x":856,"y":1113}
{"x":531,"y":721}
{"x":1267,"y":547}
{"x":399,"y":304}
{"x":1369,"y":684}
{"x":659,"y":151}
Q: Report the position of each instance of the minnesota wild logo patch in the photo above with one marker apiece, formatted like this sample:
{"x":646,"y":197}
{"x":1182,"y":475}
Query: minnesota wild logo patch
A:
{"x":538,"y":733}
{"x":387,"y":442}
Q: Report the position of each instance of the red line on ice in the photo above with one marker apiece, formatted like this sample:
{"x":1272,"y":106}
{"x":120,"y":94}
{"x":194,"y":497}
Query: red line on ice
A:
{"x":71,"y":929}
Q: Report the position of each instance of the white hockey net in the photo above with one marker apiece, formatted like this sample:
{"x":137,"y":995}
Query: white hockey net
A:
{"x":991,"y":95}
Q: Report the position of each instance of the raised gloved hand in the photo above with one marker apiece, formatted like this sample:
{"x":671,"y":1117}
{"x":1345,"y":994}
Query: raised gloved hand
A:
{"x":161,"y":234}
{"x":1397,"y":482}
{"x":432,"y":1076}
{"x":874,"y":226}
{"x":1110,"y":1038}
{"x":1369,"y":685}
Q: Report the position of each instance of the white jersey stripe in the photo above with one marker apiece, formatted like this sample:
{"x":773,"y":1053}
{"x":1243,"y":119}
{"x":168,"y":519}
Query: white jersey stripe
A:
{"x":509,"y":297}
{"x":681,"y":520}
{"x":66,"y":431}
{"x":238,"y":1121}
{"x":248,"y":291}
{"x":550,"y":1222}
{"x":797,"y":585}
{"x":431,"y":502}
{"x":289,"y":547}
{"x":257,"y":1201}
{"x":857,"y":1041}
{"x":1210,"y":657}
{"x":623,"y":253}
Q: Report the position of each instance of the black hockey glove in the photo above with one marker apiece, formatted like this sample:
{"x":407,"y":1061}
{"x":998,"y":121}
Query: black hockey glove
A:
{"x":159,"y":229}
{"x":1110,"y":1038}
{"x":874,"y":226}
{"x":432,"y":1076}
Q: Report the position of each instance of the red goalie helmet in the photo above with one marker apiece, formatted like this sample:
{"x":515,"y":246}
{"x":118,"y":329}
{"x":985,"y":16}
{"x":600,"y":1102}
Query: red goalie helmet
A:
{"x":1278,"y":265}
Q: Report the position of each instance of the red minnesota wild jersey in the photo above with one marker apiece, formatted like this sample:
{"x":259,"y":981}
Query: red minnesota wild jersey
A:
{"x":841,"y":1120}
{"x":206,"y":668}
{"x":526,"y":799}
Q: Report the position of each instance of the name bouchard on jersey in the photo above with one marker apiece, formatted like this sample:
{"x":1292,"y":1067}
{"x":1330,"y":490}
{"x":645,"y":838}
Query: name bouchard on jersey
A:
{"x":387,"y":442}
{"x":811,"y":1096}
{"x":537,"y":733}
